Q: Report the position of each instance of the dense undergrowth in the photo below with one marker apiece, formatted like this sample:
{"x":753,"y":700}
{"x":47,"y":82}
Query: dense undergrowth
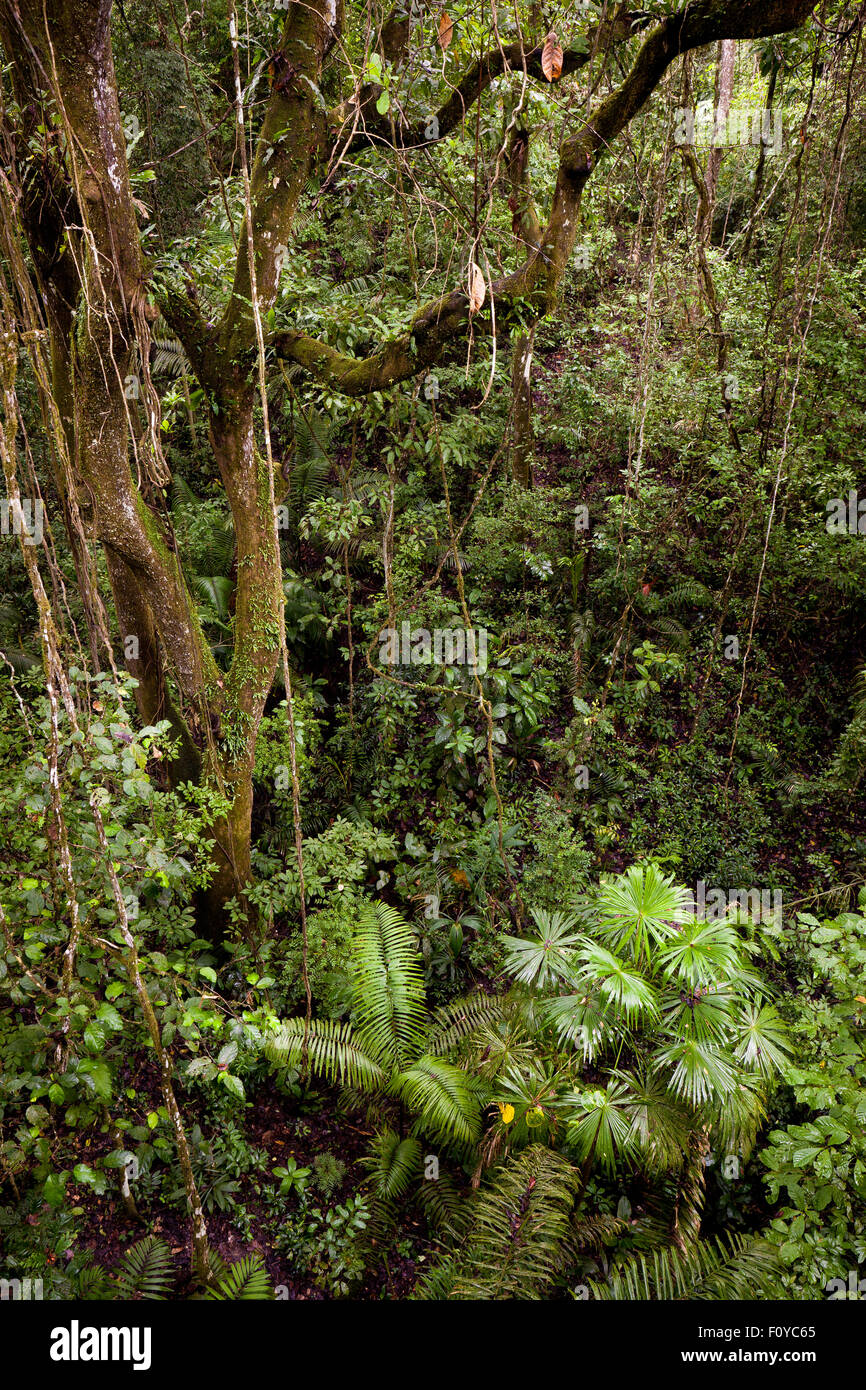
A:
{"x":528,"y":1068}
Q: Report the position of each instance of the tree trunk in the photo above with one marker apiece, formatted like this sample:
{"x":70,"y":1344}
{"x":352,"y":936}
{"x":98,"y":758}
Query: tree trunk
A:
{"x":92,"y":281}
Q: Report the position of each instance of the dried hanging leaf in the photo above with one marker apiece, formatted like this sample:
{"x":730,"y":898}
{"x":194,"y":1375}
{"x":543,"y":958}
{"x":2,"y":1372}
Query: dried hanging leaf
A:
{"x":446,"y":30}
{"x":476,"y":288}
{"x":551,"y":58}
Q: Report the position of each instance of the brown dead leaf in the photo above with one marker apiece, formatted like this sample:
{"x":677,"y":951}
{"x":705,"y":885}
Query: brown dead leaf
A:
{"x":446,"y":30}
{"x":477,"y":288}
{"x":551,"y":58}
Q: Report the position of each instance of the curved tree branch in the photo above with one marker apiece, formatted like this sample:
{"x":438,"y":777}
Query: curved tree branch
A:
{"x":537,"y":280}
{"x":475,"y":81}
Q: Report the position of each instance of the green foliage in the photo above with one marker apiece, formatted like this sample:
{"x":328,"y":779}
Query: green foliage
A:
{"x":327,"y":1245}
{"x":723,"y":1271}
{"x":380,"y":1050}
{"x":329,"y":1173}
{"x":554,"y":1064}
{"x":819,"y":1161}
{"x":518,"y":1239}
{"x":244,"y":1280}
{"x":145,"y":1270}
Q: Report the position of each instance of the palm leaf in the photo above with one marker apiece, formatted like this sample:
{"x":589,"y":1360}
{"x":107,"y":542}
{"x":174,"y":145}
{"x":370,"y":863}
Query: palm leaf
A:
{"x":762,"y":1041}
{"x":580,"y":1019}
{"x":216,"y":591}
{"x":626,"y":989}
{"x":547,"y":958}
{"x":600,"y":1124}
{"x":640,"y":909}
{"x":701,"y":1071}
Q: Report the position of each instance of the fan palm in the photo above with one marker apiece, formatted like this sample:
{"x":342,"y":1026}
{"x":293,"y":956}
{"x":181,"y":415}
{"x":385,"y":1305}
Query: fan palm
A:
{"x":671,"y":998}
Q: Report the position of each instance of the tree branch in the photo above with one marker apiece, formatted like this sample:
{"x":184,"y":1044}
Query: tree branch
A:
{"x":475,"y":81}
{"x":536,"y":281}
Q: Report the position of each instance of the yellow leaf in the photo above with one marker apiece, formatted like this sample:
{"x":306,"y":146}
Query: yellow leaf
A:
{"x":507,"y":1112}
{"x":551,"y":58}
{"x":860,"y":999}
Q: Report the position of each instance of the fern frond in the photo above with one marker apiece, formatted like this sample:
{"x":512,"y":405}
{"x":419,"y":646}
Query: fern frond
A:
{"x":460,"y":1019}
{"x":446,"y":1211}
{"x":673,"y":631}
{"x":218,"y":552}
{"x":182,"y":494}
{"x":93,"y":1285}
{"x":393,"y":1165}
{"x":447,"y":1100}
{"x":849,"y":760}
{"x":245,"y":1280}
{"x":309,"y":480}
{"x":333,"y":1051}
{"x":713,"y":1270}
{"x":594,"y":1233}
{"x":519,"y":1229}
{"x":388,"y":988}
{"x":439,"y":1282}
{"x":169,"y":358}
{"x":19,"y":660}
{"x":145,"y":1270}
{"x":688,"y":592}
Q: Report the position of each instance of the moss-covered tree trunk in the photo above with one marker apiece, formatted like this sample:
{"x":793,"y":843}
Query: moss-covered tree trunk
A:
{"x":84,"y":242}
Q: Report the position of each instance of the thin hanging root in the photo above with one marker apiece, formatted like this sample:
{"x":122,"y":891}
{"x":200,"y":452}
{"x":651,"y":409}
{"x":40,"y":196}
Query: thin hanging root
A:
{"x":36,"y":333}
{"x":51,"y":661}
